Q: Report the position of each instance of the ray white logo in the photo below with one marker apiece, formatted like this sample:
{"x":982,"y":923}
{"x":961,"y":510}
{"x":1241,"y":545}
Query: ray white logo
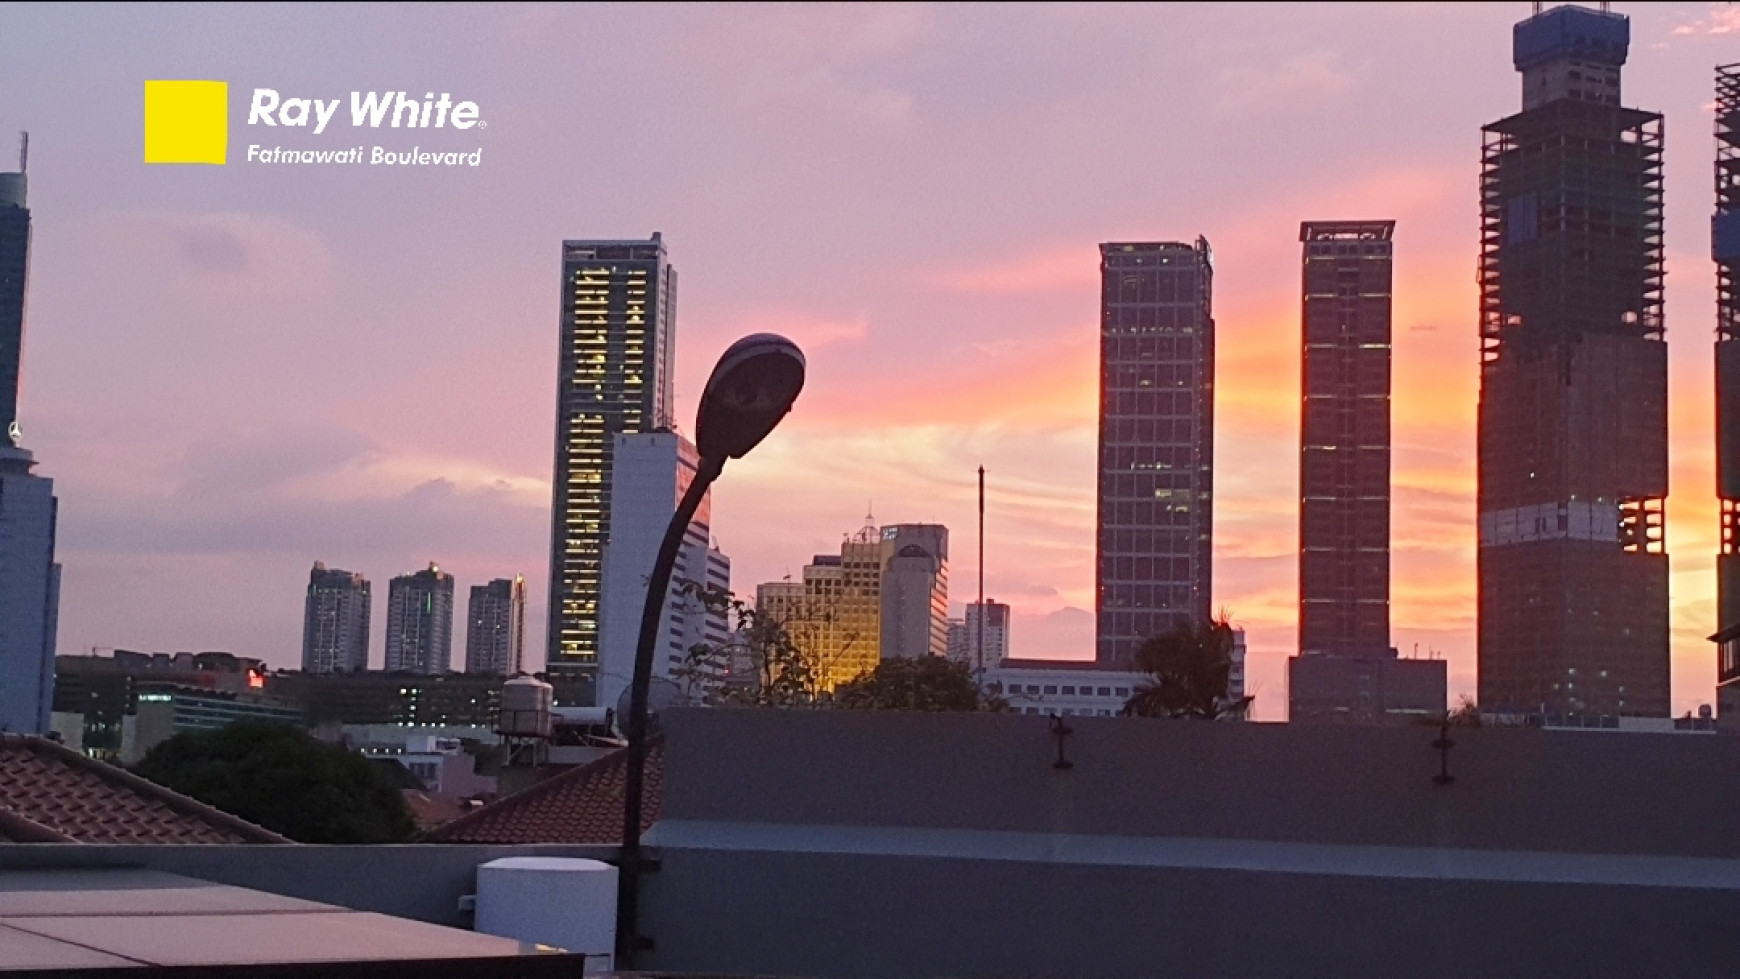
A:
{"x":367,"y":109}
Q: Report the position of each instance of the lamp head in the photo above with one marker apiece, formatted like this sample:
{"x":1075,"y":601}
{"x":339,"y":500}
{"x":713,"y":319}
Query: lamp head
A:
{"x":752,"y":388}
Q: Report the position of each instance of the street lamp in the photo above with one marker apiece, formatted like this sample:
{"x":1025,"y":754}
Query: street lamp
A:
{"x":752,"y":387}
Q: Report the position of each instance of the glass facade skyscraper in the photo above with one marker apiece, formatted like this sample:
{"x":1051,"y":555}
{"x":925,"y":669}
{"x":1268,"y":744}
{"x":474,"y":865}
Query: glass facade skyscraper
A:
{"x":1156,"y":443}
{"x":29,"y":576}
{"x":14,"y":282}
{"x":614,"y":377}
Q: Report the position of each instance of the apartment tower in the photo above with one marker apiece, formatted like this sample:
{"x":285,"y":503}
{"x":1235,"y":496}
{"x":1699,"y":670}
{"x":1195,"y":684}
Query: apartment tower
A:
{"x":495,"y":628}
{"x":335,"y":622}
{"x":420,"y":622}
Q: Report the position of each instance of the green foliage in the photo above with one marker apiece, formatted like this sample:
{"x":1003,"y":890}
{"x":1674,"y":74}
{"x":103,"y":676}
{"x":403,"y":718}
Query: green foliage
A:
{"x":1192,"y":666}
{"x":282,"y":778}
{"x":929,"y":683}
{"x":763,"y":666}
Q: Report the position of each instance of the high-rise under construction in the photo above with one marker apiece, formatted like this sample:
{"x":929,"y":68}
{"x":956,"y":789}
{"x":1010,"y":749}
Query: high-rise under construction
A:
{"x":1725,"y":250}
{"x":1573,"y":385}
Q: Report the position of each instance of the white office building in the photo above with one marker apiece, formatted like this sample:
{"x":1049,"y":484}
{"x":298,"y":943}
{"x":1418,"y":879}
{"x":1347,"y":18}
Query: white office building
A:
{"x":651,"y":472}
{"x":964,"y":635}
{"x":1078,"y":688}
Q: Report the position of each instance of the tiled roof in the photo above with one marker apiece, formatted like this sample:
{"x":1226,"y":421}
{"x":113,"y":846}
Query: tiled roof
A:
{"x":52,"y":794}
{"x":581,"y":805}
{"x":429,"y":810}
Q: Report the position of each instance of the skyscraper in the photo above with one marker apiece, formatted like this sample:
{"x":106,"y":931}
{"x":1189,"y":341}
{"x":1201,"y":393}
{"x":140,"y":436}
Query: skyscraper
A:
{"x":1573,"y":385}
{"x":1725,"y":249}
{"x":1344,"y":445}
{"x":651,"y":472}
{"x":850,"y":613}
{"x":915,"y":591}
{"x":29,"y":576}
{"x":335,"y":622}
{"x":618,"y":331}
{"x":990,"y":620}
{"x":420,"y":622}
{"x":1156,"y":443}
{"x":495,"y":627}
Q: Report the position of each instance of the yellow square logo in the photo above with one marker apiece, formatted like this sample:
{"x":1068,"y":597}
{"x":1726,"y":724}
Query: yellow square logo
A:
{"x":187,"y":121}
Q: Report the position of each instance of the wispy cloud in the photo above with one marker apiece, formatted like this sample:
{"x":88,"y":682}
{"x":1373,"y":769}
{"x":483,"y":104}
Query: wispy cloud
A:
{"x":1071,"y":268}
{"x":1721,"y":18}
{"x":1304,"y":79}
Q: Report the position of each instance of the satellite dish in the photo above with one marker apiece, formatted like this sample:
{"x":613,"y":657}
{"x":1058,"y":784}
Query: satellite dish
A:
{"x":661,"y":695}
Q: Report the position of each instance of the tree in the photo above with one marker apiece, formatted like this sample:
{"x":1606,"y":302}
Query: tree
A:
{"x":928,"y":683}
{"x":762,"y":666}
{"x":282,"y":778}
{"x":1466,"y":714}
{"x":1191,"y":666}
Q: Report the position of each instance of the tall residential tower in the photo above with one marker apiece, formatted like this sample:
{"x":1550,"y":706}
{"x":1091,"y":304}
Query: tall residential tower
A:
{"x":1573,"y":479}
{"x":420,"y":622}
{"x":618,"y":330}
{"x":29,"y":576}
{"x":335,"y":622}
{"x":1156,"y":443}
{"x":495,"y":628}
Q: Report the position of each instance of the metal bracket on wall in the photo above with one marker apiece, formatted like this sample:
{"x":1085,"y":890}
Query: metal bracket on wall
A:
{"x":1060,"y":730}
{"x":1443,"y":744}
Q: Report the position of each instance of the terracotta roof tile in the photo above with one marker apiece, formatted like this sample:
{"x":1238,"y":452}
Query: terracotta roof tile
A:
{"x":581,"y":805}
{"x":52,"y":794}
{"x":429,"y":810}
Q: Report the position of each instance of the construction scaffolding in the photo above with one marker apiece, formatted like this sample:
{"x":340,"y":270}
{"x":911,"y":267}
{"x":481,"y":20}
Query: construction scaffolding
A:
{"x":1725,"y":251}
{"x":1573,"y":613}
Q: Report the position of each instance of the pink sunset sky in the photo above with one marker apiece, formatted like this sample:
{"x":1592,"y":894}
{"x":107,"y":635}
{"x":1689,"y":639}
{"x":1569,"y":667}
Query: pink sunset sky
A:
{"x":232,"y":372}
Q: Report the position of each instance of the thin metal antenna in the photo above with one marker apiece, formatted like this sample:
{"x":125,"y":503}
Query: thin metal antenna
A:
{"x":23,"y":152}
{"x":980,"y":658}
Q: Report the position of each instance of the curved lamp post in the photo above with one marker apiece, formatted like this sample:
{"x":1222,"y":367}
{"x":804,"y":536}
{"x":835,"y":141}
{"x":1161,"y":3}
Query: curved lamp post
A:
{"x":751,"y":389}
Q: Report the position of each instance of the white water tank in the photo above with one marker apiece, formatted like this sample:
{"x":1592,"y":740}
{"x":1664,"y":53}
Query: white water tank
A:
{"x":526,"y":703}
{"x":566,"y":902}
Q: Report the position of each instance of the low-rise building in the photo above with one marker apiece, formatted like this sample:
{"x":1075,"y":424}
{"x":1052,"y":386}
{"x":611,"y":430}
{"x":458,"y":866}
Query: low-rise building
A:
{"x":163,"y":712}
{"x":1082,"y":688}
{"x":1327,"y":689}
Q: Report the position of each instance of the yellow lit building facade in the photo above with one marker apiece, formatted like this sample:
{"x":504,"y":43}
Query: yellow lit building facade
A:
{"x":837,"y":613}
{"x":618,"y":332}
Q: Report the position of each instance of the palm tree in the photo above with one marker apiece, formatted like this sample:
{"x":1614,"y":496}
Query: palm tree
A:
{"x":1191,"y":665}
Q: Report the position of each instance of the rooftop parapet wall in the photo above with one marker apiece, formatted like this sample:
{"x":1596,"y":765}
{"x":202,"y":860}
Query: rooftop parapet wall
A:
{"x":1514,"y":789}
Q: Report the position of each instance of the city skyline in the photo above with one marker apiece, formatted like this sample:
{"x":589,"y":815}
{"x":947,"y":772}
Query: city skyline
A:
{"x":242,"y":277}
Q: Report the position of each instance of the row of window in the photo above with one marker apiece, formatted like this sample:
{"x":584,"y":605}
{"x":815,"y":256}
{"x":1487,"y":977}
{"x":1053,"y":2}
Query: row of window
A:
{"x":1065,"y":690}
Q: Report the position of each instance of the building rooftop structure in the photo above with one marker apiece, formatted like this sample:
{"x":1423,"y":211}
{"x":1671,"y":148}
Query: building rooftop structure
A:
{"x":52,"y":794}
{"x":582,"y":805}
{"x":72,"y":923}
{"x":834,"y":843}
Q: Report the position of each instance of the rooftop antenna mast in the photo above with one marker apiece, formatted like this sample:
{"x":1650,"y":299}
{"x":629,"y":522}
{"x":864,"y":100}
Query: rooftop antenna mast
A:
{"x":979,"y":659}
{"x":23,"y":152}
